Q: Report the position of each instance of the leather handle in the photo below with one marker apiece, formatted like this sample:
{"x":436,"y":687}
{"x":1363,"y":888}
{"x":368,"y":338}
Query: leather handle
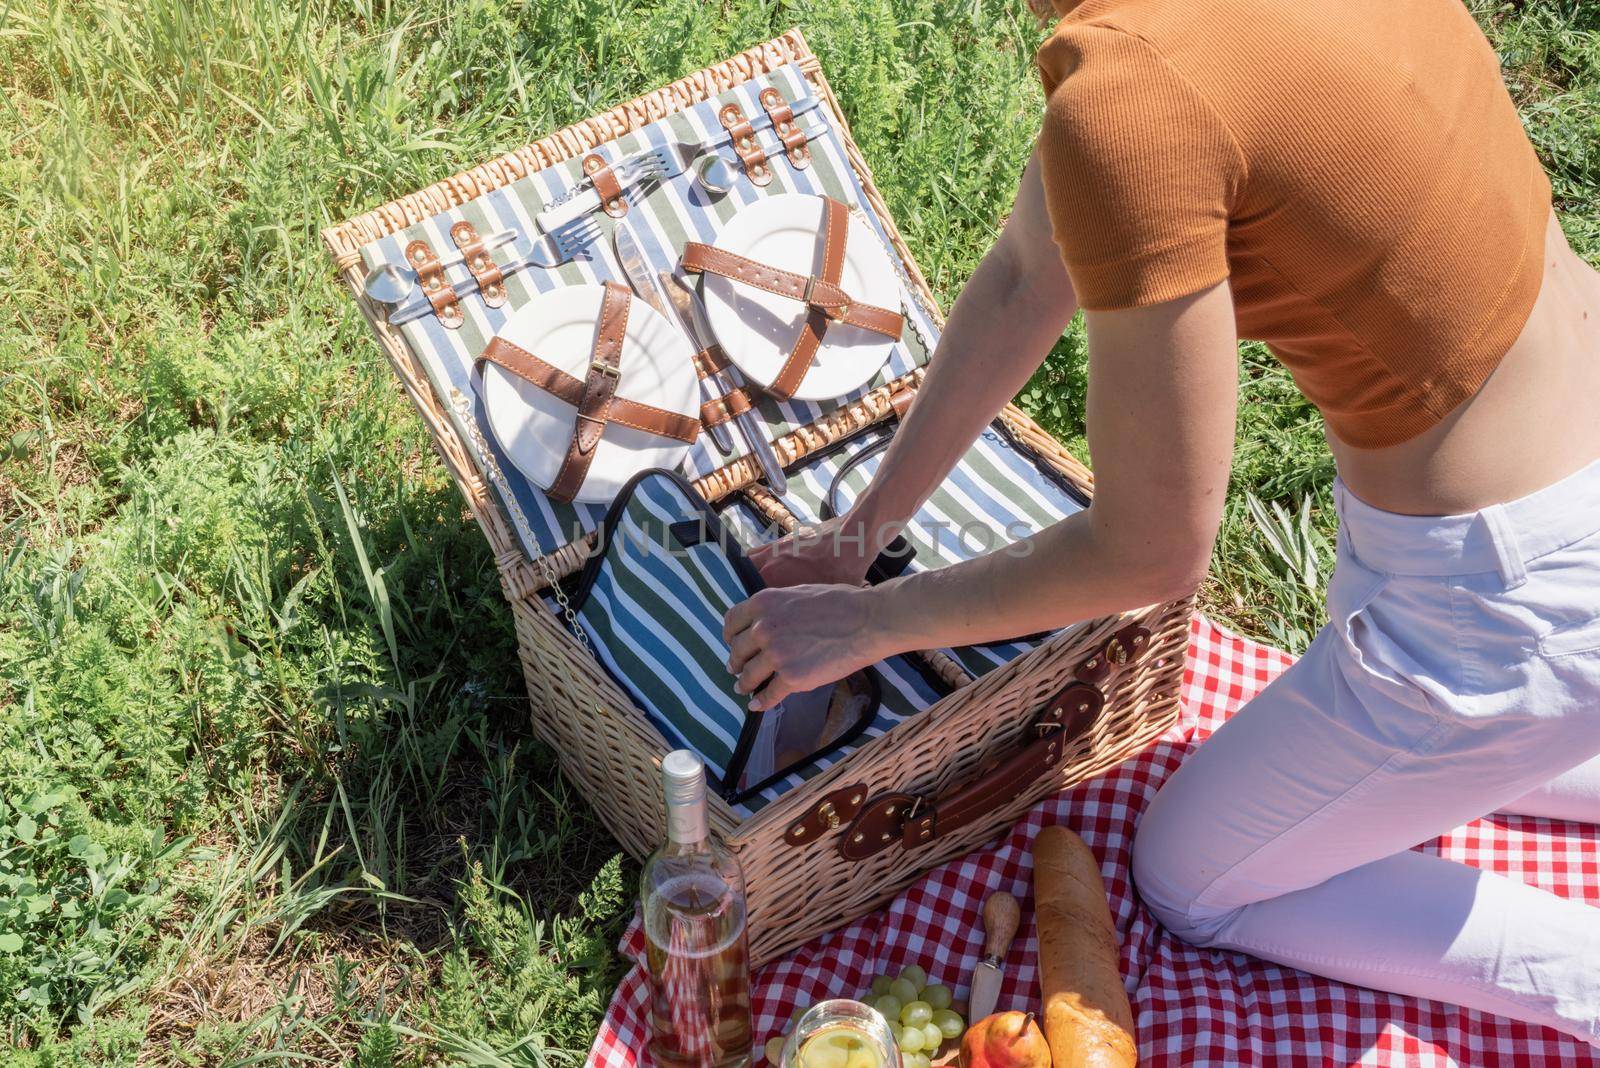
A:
{"x":918,"y":821}
{"x":984,"y":795}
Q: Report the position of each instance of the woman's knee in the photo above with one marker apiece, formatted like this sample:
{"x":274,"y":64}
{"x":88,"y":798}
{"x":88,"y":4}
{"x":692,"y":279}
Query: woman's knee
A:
{"x":1171,"y":876}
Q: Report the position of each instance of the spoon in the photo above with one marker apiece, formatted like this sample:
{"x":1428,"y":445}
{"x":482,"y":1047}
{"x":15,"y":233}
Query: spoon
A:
{"x":391,"y":283}
{"x":715,"y":175}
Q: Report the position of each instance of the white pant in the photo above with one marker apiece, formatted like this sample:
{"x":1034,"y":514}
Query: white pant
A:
{"x":1459,"y":675}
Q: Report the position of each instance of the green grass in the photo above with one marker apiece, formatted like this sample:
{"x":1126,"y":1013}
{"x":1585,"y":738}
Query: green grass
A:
{"x":267,"y":790}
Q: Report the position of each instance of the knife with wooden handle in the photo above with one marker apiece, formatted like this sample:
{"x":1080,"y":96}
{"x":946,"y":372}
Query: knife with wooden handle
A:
{"x":1001,"y":916}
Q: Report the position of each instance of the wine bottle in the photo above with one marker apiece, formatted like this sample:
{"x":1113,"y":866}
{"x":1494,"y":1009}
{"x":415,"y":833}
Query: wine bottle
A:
{"x":694,"y":924}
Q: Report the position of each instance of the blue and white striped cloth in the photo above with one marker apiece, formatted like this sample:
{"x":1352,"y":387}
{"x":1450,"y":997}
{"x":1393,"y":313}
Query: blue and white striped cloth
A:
{"x":664,"y":219}
{"x":652,"y":608}
{"x":659,"y":631}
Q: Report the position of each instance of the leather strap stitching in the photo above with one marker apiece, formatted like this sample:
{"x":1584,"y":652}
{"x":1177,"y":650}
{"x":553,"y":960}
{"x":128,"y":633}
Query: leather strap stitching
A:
{"x":631,"y":413}
{"x":821,"y":293}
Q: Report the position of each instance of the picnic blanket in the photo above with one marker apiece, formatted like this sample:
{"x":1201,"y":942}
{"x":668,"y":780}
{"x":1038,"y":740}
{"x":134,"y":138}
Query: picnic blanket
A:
{"x":1194,"y":1007}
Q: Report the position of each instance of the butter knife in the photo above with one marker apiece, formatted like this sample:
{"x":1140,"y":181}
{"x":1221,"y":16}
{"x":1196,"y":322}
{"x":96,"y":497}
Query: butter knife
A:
{"x":693,"y":316}
{"x":649,"y":289}
{"x":1001,"y":915}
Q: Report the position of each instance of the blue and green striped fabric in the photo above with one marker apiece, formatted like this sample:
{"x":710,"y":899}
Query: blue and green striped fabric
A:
{"x":652,"y":605}
{"x":668,"y":216}
{"x":997,"y":495}
{"x":657,"y":626}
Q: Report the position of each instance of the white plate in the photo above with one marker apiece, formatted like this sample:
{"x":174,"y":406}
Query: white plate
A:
{"x":757,"y":329}
{"x":534,"y":428}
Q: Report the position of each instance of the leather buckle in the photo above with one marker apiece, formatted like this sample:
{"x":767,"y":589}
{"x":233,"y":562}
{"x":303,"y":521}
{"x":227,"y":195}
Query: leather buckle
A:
{"x":605,"y":369}
{"x":810,"y":291}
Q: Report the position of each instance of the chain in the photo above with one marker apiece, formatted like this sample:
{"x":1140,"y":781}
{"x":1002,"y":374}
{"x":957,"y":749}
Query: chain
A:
{"x":491,"y":467}
{"x":910,"y":299}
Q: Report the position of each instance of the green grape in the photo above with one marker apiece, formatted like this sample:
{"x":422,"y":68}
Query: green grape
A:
{"x":916,"y":1014}
{"x":915,"y":975}
{"x":774,"y":1049}
{"x":799,"y":1011}
{"x":938,"y":996}
{"x":897,"y":1031}
{"x":949,"y":1023}
{"x":911,"y":1039}
{"x":904,"y":989}
{"x":888,"y":1007}
{"x":931,"y":1036}
{"x":916,"y":1060}
{"x":880,"y":985}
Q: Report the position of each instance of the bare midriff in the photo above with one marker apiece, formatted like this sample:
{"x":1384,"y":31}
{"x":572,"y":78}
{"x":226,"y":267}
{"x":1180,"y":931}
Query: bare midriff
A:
{"x":1534,"y":421}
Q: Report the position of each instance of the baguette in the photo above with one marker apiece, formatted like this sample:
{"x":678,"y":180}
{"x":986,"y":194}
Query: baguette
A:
{"x":1087,"y":1020}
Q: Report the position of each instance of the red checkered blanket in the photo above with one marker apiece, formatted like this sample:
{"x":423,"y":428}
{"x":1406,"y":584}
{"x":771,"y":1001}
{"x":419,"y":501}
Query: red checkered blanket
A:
{"x":1194,"y":1007}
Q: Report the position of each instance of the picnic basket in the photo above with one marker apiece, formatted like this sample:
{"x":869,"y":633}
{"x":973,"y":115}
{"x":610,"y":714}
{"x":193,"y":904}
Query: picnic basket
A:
{"x":930,"y":787}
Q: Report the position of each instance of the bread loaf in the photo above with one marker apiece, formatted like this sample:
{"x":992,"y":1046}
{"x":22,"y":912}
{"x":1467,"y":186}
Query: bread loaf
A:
{"x":1087,"y":1019}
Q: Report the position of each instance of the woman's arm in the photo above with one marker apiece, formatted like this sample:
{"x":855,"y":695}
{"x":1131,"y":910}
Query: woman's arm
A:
{"x":1162,"y":395}
{"x":1011,"y":311}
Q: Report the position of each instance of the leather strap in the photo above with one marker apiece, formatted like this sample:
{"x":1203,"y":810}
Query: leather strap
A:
{"x":599,"y":389}
{"x":911,"y":821}
{"x":824,"y":299}
{"x":594,"y":396}
{"x":624,"y":412}
{"x":743,"y":135}
{"x":986,"y":794}
{"x":490,"y":279}
{"x":604,"y":179}
{"x":435,"y":286}
{"x":719,"y":410}
{"x":915,"y":821}
{"x":782,"y":116}
{"x":709,"y":361}
{"x":900,"y":401}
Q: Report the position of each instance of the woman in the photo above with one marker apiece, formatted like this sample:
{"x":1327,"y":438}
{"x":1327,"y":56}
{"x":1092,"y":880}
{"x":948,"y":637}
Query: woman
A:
{"x":1350,"y":183}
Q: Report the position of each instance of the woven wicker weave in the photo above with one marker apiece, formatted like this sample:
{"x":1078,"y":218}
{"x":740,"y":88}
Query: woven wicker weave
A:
{"x":607,"y":746}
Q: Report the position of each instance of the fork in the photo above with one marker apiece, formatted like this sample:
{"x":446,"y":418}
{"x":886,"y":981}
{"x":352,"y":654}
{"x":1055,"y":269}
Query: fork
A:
{"x":675,"y":157}
{"x":391,"y":283}
{"x":547,"y":252}
{"x":641,"y":167}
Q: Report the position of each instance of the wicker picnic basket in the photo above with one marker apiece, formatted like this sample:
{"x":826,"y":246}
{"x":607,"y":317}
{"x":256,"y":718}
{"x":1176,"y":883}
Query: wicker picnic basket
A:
{"x":940,"y":783}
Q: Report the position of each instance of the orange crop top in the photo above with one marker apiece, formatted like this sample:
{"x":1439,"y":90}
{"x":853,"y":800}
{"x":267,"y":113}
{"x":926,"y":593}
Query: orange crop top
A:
{"x":1356,"y":170}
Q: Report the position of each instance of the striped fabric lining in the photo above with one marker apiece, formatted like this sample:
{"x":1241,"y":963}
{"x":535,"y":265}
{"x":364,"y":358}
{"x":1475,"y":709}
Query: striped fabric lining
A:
{"x":693,"y":707}
{"x":653,"y":614}
{"x":995,"y":496}
{"x":663,"y":220}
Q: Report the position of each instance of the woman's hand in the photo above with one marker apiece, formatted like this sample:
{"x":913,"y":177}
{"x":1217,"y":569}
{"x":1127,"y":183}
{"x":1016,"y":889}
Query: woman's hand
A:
{"x":835,"y":551}
{"x":786,"y":641}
